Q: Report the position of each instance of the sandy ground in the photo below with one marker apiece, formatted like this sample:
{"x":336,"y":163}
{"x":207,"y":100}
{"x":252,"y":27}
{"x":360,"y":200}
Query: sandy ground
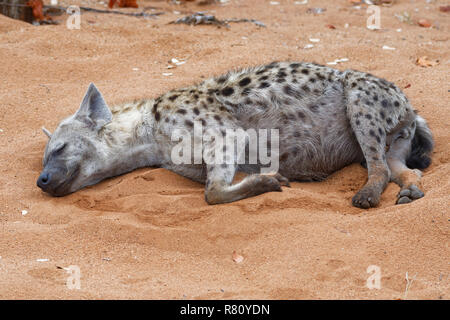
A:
{"x":149,"y":234}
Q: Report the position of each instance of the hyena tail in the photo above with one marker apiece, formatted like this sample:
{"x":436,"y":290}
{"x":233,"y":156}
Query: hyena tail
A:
{"x":421,"y":146}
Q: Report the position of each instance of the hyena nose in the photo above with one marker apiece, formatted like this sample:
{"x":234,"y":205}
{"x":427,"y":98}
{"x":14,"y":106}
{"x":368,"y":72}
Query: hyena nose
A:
{"x":44,"y":180}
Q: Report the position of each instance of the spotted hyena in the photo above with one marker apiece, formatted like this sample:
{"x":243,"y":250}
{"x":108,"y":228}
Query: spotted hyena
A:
{"x":326,"y":119}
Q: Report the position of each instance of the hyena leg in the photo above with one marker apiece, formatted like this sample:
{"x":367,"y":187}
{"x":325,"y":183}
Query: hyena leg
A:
{"x":219,"y":187}
{"x":220,"y":190}
{"x":407,"y":179}
{"x":372,"y":140}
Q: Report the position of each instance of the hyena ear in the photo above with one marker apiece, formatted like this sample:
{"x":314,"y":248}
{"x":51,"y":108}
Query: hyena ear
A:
{"x":47,"y":133}
{"x":93,"y":109}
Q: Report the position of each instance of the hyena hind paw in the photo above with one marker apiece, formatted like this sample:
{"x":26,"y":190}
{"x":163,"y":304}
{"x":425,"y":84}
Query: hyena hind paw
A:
{"x":409,"y":194}
{"x":365,"y":199}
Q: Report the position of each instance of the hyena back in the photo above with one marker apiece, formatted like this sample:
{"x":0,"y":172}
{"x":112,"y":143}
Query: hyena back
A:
{"x":326,"y":119}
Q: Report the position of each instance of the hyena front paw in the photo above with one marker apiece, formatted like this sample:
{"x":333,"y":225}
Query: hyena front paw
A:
{"x":366,"y":198}
{"x":269,"y":182}
{"x":409,"y":194}
{"x":283,"y":181}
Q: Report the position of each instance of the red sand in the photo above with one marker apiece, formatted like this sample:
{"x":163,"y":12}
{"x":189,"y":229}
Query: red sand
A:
{"x":149,"y":234}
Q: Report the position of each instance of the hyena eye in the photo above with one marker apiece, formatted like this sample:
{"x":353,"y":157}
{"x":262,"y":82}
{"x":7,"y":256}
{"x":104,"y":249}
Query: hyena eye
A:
{"x":60,"y":148}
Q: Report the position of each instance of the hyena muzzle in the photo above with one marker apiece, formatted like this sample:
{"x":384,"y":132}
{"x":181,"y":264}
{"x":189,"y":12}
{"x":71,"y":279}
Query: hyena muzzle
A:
{"x":325,"y":119}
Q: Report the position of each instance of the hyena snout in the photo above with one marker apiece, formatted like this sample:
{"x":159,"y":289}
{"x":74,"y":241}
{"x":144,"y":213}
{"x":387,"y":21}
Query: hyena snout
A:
{"x":43,"y":181}
{"x":54,"y":181}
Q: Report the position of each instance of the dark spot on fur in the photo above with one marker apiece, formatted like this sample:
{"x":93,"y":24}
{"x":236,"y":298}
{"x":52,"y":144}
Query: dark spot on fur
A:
{"x":305,"y":71}
{"x":320,"y":76}
{"x":380,"y":131}
{"x":196,"y":111}
{"x":368,"y":103}
{"x":313,"y":107}
{"x":155,"y":107}
{"x":189,"y":123}
{"x":174,"y":97}
{"x":382,"y":114}
{"x":157,"y":116}
{"x":368,"y":116}
{"x":246,"y":91}
{"x":284,"y":156}
{"x":181,"y":111}
{"x":210,"y":100}
{"x":396,"y":103}
{"x":288,"y":90}
{"x":264,"y":85}
{"x":228,"y":91}
{"x":385,"y":103}
{"x":244,"y":82}
{"x":300,"y":114}
{"x":222,"y":79}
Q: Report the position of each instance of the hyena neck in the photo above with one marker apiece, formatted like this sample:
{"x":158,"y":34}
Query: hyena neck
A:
{"x":128,"y":139}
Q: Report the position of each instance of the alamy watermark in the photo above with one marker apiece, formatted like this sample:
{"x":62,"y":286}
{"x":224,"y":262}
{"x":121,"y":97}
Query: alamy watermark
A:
{"x":74,"y":19}
{"x":374,"y":280}
{"x":374,"y":19}
{"x":214,"y":146}
{"x":73,"y":281}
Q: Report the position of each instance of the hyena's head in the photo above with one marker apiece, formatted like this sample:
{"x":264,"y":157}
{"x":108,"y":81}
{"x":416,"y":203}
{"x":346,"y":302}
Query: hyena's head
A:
{"x":75,"y":153}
